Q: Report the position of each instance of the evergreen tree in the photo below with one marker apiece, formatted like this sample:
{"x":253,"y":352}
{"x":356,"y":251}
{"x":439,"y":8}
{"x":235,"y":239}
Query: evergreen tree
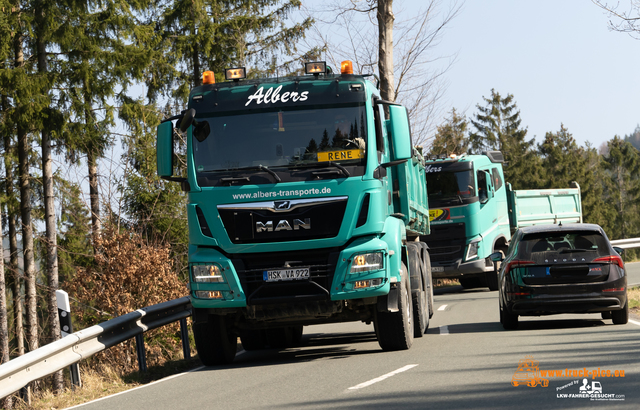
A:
{"x":634,"y":137}
{"x":497,"y":127}
{"x":622,"y":184}
{"x":324,"y":142}
{"x":451,"y":136}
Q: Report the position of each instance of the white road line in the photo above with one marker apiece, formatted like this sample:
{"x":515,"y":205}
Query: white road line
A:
{"x":381,"y":378}
{"x":136,"y":388}
{"x":444,"y":330}
{"x":634,"y":322}
{"x":443,"y":307}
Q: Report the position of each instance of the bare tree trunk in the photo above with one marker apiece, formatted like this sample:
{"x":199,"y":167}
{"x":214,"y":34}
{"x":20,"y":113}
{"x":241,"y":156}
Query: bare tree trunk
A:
{"x":94,"y":196}
{"x":50,"y":224}
{"x":385,"y":49}
{"x":4,"y":322}
{"x":25,"y":212}
{"x":16,"y":282}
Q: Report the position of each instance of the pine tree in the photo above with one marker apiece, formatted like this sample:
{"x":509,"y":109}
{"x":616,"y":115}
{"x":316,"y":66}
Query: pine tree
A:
{"x":498,"y":128}
{"x":622,"y":182}
{"x":451,"y":136}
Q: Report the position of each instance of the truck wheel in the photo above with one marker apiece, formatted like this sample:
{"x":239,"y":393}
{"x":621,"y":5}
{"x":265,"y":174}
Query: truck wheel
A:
{"x":426,"y":260}
{"x":253,"y":339}
{"x":296,"y":333}
{"x":418,"y":295}
{"x":621,"y":317}
{"x":509,"y":320}
{"x":469,"y":283}
{"x":215,"y":340}
{"x":395,"y":329}
{"x":280,"y":338}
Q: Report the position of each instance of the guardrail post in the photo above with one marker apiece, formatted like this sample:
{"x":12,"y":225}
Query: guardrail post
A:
{"x":66,"y":328}
{"x":142,"y":356}
{"x":184,"y":335}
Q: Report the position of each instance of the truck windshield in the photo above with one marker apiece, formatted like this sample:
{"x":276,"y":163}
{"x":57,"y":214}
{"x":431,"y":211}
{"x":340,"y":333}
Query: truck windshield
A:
{"x":451,"y":188}
{"x":282,"y":140}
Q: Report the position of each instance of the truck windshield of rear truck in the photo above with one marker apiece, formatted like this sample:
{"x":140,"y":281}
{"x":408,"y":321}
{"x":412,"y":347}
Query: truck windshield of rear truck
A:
{"x":281,"y":139}
{"x":446,"y":188}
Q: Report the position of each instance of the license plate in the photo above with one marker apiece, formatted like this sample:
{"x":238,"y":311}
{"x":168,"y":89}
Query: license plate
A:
{"x":437,"y":269}
{"x":277,"y":275}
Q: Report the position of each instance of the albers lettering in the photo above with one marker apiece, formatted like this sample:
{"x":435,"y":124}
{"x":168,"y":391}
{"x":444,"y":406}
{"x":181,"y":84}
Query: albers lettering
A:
{"x":272,"y":96}
{"x":283,"y":225}
{"x":430,"y":168}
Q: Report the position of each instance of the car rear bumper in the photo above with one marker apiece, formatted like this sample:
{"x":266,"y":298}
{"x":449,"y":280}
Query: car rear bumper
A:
{"x":458,"y":269}
{"x":573,"y":304}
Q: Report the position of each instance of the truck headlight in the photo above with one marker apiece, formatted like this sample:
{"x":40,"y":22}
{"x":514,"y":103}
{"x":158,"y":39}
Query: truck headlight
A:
{"x":206,"y":273}
{"x":472,"y":251}
{"x":366,"y":262}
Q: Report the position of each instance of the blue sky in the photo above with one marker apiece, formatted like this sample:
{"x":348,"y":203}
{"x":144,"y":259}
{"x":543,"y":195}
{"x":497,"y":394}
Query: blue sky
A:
{"x":558,"y":58}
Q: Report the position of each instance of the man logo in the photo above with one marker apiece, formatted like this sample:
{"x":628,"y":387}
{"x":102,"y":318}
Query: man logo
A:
{"x":283,"y":225}
{"x":282,"y":205}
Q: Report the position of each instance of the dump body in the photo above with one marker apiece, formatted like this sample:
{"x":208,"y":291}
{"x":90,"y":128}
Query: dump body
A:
{"x":474,"y":213}
{"x":302,"y":196}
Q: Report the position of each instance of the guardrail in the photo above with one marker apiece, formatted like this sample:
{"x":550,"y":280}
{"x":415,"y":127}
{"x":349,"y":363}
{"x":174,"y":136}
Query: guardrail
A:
{"x":55,"y":356}
{"x":626,"y":243}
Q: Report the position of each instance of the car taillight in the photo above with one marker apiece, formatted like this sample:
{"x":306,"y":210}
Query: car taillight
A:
{"x":611,"y":259}
{"x":516,"y":263}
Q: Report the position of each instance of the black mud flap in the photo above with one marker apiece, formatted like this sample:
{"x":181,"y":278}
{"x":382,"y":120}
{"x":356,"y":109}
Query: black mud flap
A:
{"x":389,"y":303}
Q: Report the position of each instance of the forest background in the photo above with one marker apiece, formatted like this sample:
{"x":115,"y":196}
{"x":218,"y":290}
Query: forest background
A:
{"x":83,"y":86}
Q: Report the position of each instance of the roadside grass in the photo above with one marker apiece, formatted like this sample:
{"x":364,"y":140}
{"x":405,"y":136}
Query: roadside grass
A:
{"x":633,"y":296}
{"x":100,"y":383}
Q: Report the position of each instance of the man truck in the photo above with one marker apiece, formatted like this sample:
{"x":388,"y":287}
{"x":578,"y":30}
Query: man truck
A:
{"x":474,"y":213}
{"x":306,"y":204}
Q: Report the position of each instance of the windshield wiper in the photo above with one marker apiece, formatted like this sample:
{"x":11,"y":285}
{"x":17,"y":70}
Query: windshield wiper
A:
{"x":341,"y":169}
{"x":254,"y":168}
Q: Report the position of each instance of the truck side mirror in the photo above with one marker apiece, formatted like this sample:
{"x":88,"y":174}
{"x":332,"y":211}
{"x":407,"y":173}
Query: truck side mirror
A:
{"x":400,"y":132}
{"x":489,"y":188}
{"x":164,"y":149}
{"x":496,"y":257}
{"x":187,"y":120}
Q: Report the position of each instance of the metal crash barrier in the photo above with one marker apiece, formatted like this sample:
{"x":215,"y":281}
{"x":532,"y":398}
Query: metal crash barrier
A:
{"x":71,"y":349}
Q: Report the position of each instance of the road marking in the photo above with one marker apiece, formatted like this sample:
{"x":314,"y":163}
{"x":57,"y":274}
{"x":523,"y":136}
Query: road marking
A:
{"x":136,"y":388}
{"x":634,"y":322}
{"x":381,"y":378}
{"x":444,"y":330}
{"x":443,"y":307}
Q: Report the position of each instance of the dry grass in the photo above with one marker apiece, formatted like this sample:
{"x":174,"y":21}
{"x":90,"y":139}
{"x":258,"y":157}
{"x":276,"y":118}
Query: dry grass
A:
{"x":634,"y":300}
{"x":443,"y":283}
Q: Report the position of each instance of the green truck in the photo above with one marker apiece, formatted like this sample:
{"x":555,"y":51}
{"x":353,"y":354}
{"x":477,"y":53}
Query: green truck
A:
{"x":474,"y":213}
{"x":306,"y":204}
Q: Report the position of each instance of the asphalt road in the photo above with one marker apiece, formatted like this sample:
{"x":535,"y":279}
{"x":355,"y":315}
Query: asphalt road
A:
{"x":466,"y":360}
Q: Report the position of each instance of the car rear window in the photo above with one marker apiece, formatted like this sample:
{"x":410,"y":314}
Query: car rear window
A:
{"x":577,"y":246}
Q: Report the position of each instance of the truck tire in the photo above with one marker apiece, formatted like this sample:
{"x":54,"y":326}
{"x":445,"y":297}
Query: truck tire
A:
{"x":395,"y":329}
{"x":426,"y":262}
{"x":253,"y":339}
{"x":419,"y":294}
{"x":215,"y":340}
{"x":509,"y":320}
{"x":621,"y":317}
{"x":470,"y":283}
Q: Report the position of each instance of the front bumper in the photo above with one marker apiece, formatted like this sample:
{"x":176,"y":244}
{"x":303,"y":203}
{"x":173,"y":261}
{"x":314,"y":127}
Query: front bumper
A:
{"x":458,"y":269}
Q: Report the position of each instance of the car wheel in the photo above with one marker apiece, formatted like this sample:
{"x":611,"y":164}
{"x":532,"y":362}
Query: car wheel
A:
{"x":606,"y":315}
{"x":621,"y":317}
{"x":509,"y":320}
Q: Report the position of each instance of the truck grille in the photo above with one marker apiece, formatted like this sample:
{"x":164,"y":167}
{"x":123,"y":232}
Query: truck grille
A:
{"x":250,"y":268}
{"x":280,"y":221}
{"x":446,"y":242}
{"x":445,"y":253}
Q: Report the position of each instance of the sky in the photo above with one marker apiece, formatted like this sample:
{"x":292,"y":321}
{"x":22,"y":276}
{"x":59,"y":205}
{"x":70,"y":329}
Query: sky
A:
{"x":559,"y":60}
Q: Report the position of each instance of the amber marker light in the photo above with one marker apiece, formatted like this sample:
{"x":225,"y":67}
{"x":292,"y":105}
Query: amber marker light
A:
{"x":235,"y":74}
{"x":208,"y":78}
{"x":346,"y":67}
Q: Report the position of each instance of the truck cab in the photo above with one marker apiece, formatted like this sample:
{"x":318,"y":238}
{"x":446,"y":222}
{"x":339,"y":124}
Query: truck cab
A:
{"x":469,"y":215}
